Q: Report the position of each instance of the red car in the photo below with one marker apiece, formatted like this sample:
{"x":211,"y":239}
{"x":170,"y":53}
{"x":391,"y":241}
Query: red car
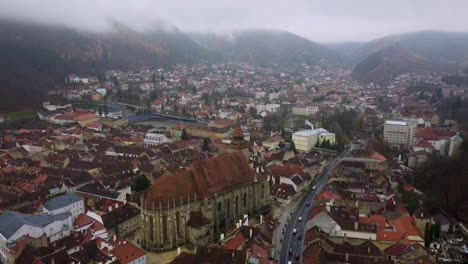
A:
{"x":298,"y":256}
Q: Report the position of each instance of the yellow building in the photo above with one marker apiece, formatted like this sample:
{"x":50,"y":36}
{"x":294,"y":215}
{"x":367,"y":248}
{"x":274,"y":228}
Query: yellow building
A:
{"x":305,"y":140}
{"x":97,"y":97}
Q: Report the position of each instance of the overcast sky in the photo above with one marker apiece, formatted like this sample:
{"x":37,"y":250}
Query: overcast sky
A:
{"x":318,"y":20}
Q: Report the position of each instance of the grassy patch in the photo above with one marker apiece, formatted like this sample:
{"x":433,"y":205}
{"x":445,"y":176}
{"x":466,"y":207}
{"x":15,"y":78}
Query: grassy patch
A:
{"x":13,"y":116}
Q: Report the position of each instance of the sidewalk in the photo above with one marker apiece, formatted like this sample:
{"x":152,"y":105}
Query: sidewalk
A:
{"x":282,"y":213}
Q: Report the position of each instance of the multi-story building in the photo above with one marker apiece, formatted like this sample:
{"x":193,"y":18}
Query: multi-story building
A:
{"x":155,"y":137}
{"x":15,"y":226}
{"x":305,"y":140}
{"x":272,"y":108}
{"x":69,"y":202}
{"x":400,"y":133}
{"x":305,"y":110}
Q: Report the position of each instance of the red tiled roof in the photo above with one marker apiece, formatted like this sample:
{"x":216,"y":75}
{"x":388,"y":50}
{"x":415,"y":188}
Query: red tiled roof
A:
{"x":286,"y":170}
{"x":397,"y":250}
{"x":421,"y":143}
{"x":236,"y":242}
{"x":377,"y":219}
{"x":283,"y":191}
{"x":125,"y":251}
{"x":83,"y":220}
{"x":327,"y":196}
{"x":378,"y":156}
{"x":316,"y":210}
{"x":203,"y":179}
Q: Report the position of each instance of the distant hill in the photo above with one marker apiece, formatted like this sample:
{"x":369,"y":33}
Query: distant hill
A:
{"x":263,"y":47}
{"x":422,"y":51}
{"x":36,"y":58}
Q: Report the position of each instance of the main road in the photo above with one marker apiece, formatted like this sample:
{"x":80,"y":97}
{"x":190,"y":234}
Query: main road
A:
{"x":292,"y":241}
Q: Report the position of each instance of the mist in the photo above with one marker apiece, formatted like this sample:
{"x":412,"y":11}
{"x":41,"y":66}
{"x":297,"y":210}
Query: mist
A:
{"x":317,"y":20}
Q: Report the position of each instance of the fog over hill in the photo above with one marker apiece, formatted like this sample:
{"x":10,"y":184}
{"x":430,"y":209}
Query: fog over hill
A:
{"x":35,"y":57}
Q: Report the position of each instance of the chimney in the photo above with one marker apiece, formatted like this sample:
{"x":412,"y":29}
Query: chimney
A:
{"x":110,"y":208}
{"x":368,"y":250}
{"x":178,"y":251}
{"x":116,"y":205}
{"x":221,"y":237}
{"x":114,"y":238}
{"x":356,"y":225}
{"x":261,"y":219}
{"x":347,"y":258}
{"x":250,"y":233}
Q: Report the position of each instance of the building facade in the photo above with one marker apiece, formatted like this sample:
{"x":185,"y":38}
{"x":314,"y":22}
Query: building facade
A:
{"x":272,"y":108}
{"x":305,"y":110}
{"x":400,"y":133}
{"x":155,"y":137}
{"x":305,"y":140}
{"x":202,"y":202}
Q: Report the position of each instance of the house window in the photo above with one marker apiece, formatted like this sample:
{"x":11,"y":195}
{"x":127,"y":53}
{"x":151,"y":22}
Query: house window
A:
{"x":244,"y":200}
{"x":220,"y":206}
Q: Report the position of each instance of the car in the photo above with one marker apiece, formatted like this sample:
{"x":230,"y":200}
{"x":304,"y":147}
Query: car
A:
{"x":300,"y":219}
{"x":308,"y":203}
{"x":314,"y":187}
{"x":299,"y":237}
{"x":294,"y":231}
{"x":298,"y":256}
{"x":290,"y":251}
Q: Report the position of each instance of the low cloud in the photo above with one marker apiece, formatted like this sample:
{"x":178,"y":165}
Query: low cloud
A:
{"x":318,"y":20}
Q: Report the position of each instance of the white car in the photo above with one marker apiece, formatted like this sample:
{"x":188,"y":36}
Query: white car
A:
{"x":314,"y":187}
{"x":300,"y":218}
{"x":294,"y":231}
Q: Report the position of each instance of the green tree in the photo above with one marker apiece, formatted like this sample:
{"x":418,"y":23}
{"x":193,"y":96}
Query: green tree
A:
{"x":317,"y":144}
{"x":142,"y":183}
{"x":184,"y":134}
{"x":154,"y":95}
{"x":106,"y":110}
{"x":293,"y":147}
{"x":427,"y":233}
{"x":437,"y":229}
{"x":206,"y":144}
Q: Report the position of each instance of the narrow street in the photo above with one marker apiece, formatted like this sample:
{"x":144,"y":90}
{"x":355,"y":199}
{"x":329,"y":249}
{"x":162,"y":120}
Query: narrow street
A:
{"x":291,"y":240}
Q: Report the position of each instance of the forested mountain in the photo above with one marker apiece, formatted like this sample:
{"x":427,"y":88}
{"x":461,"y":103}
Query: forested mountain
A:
{"x":420,"y":51}
{"x":265,"y":47}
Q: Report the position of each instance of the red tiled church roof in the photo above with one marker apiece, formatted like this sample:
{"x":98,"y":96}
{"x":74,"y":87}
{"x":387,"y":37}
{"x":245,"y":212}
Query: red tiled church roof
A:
{"x":203,"y":179}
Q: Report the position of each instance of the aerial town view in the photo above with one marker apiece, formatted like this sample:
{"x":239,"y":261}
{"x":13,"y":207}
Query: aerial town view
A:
{"x":246,"y":132}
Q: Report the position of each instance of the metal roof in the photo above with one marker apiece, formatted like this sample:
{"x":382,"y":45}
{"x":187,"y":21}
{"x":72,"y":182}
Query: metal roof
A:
{"x":62,"y":201}
{"x":11,"y":222}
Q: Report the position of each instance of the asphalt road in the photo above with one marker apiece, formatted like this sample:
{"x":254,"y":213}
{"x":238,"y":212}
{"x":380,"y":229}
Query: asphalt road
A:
{"x":292,"y":241}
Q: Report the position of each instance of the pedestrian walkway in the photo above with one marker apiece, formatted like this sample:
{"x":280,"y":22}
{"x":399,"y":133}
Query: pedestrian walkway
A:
{"x":282,"y":213}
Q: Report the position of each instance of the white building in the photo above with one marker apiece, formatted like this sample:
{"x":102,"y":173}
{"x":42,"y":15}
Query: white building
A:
{"x":400,"y":133}
{"x":14,"y":226}
{"x":52,"y":107}
{"x":155,"y":137}
{"x":102,"y":91}
{"x":305,"y":110}
{"x":272,"y":108}
{"x":305,"y":140}
{"x":69,"y":202}
{"x":273,"y":96}
{"x":455,"y":145}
